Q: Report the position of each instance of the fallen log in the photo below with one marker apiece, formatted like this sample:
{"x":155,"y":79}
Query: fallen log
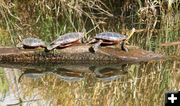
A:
{"x":78,"y":54}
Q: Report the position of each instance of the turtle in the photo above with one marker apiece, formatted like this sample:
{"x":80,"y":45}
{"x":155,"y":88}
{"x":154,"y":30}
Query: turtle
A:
{"x":109,"y":70}
{"x":66,"y":40}
{"x":108,"y":38}
{"x":68,"y":75}
{"x":31,"y":43}
{"x":32,"y":74}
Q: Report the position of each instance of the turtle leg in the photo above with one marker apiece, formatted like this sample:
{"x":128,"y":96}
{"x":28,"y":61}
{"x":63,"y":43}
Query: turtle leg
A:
{"x":92,"y":41}
{"x":46,"y":50}
{"x":95,"y":47}
{"x":123,"y":46}
{"x":52,"y":48}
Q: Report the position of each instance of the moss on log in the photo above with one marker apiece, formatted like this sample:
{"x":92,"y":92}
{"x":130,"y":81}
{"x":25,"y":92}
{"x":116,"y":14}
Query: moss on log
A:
{"x":77,"y":54}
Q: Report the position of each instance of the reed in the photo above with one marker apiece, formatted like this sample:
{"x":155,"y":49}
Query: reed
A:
{"x":49,"y":19}
{"x":3,"y":85}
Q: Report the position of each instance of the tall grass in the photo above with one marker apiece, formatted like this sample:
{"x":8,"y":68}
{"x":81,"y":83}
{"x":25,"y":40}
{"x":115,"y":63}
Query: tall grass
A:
{"x":48,"y":19}
{"x":3,"y":85}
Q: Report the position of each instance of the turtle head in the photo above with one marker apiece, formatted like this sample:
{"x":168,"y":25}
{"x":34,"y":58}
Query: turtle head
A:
{"x":19,"y":45}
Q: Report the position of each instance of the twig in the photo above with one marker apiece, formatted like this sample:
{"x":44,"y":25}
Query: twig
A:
{"x":170,"y":43}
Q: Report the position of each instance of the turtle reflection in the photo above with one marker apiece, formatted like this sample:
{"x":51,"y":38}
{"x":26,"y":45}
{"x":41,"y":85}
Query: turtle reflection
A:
{"x":68,"y":75}
{"x":71,"y":73}
{"x":108,"y":73}
{"x":32,"y":73}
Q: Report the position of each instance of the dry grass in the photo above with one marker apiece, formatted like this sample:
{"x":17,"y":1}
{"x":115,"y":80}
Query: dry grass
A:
{"x":157,"y":20}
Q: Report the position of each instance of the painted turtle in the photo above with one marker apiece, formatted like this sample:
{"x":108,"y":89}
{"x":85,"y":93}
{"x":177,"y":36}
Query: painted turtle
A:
{"x":68,"y":75}
{"x":109,"y":70}
{"x":31,"y":43}
{"x":66,"y":40}
{"x":108,"y":38}
{"x":32,"y":74}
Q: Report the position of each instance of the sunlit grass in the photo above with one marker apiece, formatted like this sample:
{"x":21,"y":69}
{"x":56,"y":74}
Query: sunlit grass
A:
{"x":4,"y":38}
{"x":47,"y":20}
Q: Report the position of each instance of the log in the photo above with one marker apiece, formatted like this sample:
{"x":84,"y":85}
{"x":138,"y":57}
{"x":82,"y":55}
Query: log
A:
{"x":78,"y":54}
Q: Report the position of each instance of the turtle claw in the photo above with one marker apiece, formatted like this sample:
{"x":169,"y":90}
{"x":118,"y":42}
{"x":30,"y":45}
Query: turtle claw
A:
{"x":123,"y":46}
{"x":92,"y":50}
{"x":125,"y":49}
{"x":95,"y":47}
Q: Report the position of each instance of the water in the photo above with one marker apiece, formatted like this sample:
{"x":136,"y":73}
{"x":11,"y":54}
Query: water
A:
{"x":117,"y":84}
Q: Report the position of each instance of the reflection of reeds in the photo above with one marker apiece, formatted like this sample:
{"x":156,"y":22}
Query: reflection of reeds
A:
{"x":3,"y":85}
{"x":144,"y":84}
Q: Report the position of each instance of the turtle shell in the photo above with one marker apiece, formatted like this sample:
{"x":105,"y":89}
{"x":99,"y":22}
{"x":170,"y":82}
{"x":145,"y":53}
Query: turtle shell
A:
{"x":66,"y":39}
{"x":110,"y":36}
{"x":33,"y":42}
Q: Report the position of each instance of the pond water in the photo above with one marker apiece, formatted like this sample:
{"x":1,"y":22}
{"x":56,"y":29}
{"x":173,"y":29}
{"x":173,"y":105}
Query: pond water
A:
{"x":87,"y":84}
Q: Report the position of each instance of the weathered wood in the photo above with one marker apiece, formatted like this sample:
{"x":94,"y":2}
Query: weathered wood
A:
{"x":77,"y":54}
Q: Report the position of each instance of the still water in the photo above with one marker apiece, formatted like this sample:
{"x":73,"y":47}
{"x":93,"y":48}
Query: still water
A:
{"x":87,"y":84}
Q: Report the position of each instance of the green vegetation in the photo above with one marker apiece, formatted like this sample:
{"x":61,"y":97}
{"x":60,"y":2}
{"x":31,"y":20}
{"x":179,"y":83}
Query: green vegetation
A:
{"x":3,"y":83}
{"x":155,"y":21}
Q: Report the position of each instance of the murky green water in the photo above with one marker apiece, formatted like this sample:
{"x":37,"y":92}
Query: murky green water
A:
{"x":120,"y":84}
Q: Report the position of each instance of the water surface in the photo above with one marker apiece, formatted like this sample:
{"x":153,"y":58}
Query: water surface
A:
{"x":87,"y":84}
